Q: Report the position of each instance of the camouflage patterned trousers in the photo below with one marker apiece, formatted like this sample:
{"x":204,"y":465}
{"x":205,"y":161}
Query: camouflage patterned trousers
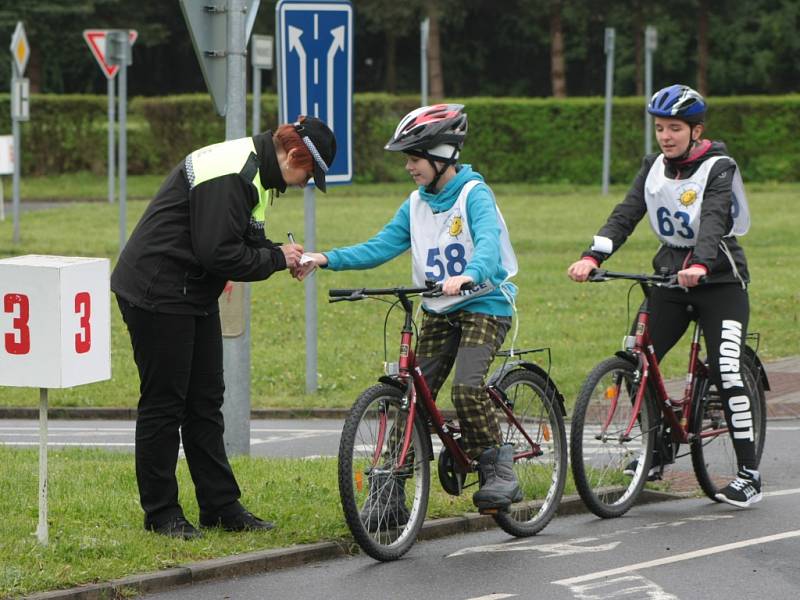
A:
{"x":470,"y":341}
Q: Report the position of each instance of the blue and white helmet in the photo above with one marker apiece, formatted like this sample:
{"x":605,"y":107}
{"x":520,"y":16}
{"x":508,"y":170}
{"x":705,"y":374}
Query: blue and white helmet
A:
{"x":678,"y":102}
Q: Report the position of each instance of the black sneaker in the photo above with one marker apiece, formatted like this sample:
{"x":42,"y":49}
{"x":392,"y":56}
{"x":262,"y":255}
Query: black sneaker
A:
{"x":385,"y":507}
{"x":241,"y":521}
{"x":176,"y":527}
{"x":654,"y":474}
{"x":742,"y":491}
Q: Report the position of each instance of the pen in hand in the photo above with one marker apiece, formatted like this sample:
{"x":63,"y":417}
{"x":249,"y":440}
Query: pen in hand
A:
{"x":291,"y":238}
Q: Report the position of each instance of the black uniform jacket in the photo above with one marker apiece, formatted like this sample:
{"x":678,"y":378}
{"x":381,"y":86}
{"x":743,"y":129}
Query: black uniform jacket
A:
{"x":189,"y":243}
{"x":715,"y":221}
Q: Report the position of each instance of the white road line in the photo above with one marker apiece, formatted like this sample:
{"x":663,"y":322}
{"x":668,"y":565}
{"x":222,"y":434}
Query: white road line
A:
{"x":783,"y":492}
{"x":84,"y":444}
{"x":678,"y":558}
{"x":621,"y":586}
{"x":52,"y":428}
{"x":493,"y":597}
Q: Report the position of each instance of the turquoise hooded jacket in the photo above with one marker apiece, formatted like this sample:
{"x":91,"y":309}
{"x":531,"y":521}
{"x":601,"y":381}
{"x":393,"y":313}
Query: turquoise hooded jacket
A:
{"x":484,"y":225}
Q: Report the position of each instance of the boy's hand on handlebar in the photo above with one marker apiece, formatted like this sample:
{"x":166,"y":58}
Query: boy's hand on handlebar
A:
{"x":580,"y":270}
{"x":691,"y":277}
{"x":452,"y":285}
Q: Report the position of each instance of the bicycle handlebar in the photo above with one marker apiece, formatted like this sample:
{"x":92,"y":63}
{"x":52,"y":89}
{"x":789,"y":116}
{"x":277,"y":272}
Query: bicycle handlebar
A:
{"x":431,"y":290}
{"x":659,"y":280}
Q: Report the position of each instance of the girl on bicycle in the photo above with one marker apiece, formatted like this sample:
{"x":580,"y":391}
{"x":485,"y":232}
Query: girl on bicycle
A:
{"x":457,"y":236}
{"x":693,"y":194}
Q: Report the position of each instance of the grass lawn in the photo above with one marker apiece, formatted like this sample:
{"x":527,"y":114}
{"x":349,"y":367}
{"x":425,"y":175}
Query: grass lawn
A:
{"x":550,"y":226}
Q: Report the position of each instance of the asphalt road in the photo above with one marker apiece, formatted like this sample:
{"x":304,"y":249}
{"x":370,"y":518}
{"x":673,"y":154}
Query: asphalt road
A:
{"x":275,"y":437}
{"x":685,"y":549}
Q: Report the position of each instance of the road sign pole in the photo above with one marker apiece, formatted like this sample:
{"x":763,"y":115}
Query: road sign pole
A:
{"x":609,"y":48}
{"x":111,"y":124}
{"x":236,"y":350}
{"x":424,"y":29}
{"x":261,"y":58}
{"x":123,"y":147}
{"x":310,"y":244}
{"x":15,"y":132}
{"x":256,"y":100}
{"x":650,"y":43}
{"x":20,"y":53}
{"x":314,"y":76}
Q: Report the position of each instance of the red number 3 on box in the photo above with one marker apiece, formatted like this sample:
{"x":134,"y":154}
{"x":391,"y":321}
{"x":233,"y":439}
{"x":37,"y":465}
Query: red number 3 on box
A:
{"x":19,"y":341}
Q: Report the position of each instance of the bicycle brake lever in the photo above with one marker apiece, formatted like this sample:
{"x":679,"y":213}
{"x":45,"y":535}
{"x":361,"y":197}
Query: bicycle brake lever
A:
{"x":598,"y":275}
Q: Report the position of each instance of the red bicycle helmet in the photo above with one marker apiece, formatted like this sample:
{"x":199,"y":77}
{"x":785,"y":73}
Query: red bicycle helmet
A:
{"x":434,"y":132}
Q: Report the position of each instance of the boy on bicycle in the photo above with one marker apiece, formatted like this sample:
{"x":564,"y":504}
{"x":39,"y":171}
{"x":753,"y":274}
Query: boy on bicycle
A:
{"x":693,"y":194}
{"x":457,"y":236}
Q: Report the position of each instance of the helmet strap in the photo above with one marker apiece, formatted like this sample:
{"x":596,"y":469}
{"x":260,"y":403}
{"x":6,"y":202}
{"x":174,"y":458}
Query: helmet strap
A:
{"x":431,"y":188}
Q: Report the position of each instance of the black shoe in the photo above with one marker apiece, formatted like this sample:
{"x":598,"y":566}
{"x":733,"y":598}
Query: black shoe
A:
{"x":742,"y":491}
{"x":385,"y":507}
{"x":242,"y":521}
{"x":176,"y":527}
{"x":654,"y":474}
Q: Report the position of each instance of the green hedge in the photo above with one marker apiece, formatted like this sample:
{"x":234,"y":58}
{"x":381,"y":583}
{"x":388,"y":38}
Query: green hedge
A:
{"x":510,"y":139}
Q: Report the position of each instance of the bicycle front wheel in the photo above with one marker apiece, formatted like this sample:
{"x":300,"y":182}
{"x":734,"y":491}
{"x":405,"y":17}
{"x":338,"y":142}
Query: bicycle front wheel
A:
{"x":713,"y":456}
{"x":611,"y":446}
{"x":540,"y":450}
{"x":384,"y":501}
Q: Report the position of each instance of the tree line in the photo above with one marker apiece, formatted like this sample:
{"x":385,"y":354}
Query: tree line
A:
{"x":533,"y":48}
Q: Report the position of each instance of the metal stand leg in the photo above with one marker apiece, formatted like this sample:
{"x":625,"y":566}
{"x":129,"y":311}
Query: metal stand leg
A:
{"x":41,"y":530}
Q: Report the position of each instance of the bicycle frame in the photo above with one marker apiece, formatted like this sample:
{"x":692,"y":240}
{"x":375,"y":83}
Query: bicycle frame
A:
{"x":418,"y":394}
{"x":649,"y":369}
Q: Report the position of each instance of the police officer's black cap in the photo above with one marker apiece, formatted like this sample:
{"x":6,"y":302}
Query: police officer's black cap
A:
{"x":321,"y":143}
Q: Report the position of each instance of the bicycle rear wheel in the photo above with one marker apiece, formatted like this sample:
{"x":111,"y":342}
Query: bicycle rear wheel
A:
{"x":533,"y":401}
{"x":601,"y":451}
{"x":384,"y":502}
{"x":713,"y":456}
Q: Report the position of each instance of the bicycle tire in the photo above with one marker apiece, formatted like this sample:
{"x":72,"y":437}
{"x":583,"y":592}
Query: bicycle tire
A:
{"x":376,"y":494}
{"x":714,"y":458}
{"x":599,"y":459}
{"x":535,"y":405}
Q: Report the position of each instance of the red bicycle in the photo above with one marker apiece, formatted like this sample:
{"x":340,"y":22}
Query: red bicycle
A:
{"x":623,"y":412}
{"x":385,"y":452}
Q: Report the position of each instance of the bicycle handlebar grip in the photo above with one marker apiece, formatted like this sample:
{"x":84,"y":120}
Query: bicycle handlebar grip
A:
{"x":341,"y":293}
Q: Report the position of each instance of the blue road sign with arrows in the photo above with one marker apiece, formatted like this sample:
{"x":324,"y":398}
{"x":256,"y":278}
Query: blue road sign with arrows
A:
{"x":315,"y":71}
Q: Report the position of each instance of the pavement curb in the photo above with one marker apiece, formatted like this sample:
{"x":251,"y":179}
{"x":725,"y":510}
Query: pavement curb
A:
{"x":264,"y":561}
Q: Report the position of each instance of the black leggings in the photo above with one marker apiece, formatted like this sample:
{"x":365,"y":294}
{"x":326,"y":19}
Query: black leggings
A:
{"x":723,"y":312}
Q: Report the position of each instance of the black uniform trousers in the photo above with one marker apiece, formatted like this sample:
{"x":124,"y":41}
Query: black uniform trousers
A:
{"x":179,"y":358}
{"x":723,"y":311}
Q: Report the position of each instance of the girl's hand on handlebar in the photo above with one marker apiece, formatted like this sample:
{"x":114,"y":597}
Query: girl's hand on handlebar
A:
{"x":691,"y":277}
{"x":580,"y":270}
{"x":452,"y":285}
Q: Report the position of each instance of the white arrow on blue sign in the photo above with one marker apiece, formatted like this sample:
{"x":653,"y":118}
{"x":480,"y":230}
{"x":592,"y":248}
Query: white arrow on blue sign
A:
{"x":315,"y":71}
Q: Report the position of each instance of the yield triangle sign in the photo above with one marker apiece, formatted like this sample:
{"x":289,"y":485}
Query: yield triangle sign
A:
{"x":96,"y":40}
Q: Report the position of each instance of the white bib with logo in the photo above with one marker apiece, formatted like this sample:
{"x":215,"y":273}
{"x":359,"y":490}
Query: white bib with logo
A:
{"x":442,"y":246}
{"x":673,"y":205}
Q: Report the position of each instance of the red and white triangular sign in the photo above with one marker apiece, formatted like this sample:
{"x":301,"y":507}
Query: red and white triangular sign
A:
{"x":96,"y":39}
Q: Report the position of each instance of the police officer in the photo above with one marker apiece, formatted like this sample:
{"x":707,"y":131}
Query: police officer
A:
{"x":204,"y":227}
